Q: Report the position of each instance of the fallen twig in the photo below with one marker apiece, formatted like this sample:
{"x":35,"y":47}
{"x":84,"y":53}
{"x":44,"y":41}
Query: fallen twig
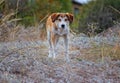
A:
{"x":114,"y":9}
{"x":44,"y":18}
{"x":72,"y":32}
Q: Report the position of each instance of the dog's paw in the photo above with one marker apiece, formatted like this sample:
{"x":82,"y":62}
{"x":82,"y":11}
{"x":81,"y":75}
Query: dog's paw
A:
{"x":54,"y":55}
{"x":49,"y":55}
{"x":67,"y":59}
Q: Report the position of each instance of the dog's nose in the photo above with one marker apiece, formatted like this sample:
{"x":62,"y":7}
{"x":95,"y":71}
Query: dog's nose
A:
{"x":63,"y":26}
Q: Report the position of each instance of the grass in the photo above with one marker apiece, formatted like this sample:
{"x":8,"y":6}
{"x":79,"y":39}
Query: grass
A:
{"x":10,"y":30}
{"x":98,"y":53}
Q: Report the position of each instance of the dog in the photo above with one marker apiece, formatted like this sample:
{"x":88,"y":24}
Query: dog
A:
{"x":57,"y":25}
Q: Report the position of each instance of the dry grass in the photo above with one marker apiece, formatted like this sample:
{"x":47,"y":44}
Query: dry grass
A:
{"x":99,"y":53}
{"x":8,"y":28}
{"x":11,"y":31}
{"x":19,"y":32}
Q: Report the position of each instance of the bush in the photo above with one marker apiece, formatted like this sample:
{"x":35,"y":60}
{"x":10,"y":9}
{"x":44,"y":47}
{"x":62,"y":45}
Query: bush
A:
{"x":32,"y":11}
{"x":101,"y":12}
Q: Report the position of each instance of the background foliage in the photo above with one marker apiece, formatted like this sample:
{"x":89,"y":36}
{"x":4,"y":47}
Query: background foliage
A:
{"x":32,"y":11}
{"x":98,"y":15}
{"x":94,"y":17}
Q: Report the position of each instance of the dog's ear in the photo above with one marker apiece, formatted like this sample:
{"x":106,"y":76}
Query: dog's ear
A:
{"x":54,"y":16}
{"x":70,"y":17}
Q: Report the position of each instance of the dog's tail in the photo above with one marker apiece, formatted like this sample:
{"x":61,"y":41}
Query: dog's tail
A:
{"x":43,"y":29}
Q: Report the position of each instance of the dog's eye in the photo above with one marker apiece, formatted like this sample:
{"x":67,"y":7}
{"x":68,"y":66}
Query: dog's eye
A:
{"x":59,"y":19}
{"x":66,"y":19}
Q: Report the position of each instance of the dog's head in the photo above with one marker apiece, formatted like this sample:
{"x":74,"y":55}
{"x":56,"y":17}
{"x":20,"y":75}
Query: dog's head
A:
{"x":62,"y":20}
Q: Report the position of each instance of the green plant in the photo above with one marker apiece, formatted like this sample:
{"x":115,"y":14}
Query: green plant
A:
{"x":32,"y":11}
{"x":102,"y":12}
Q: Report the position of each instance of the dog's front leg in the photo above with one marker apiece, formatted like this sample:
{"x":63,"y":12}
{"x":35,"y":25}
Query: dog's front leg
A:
{"x":66,"y":48}
{"x":53,"y":44}
{"x":50,"y":44}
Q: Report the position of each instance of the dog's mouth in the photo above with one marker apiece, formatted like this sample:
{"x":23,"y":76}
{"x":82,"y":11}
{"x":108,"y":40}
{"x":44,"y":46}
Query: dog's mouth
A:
{"x":61,"y":29}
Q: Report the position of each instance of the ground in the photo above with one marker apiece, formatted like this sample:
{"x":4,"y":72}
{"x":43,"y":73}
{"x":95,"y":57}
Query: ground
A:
{"x":28,"y":62}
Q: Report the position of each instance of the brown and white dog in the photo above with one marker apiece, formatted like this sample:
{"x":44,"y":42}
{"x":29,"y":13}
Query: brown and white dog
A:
{"x":57,"y":26}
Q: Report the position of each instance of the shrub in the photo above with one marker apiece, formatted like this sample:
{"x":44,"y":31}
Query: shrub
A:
{"x":101,"y":12}
{"x":32,"y":11}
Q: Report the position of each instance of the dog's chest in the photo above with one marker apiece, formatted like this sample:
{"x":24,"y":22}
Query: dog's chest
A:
{"x":61,"y":31}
